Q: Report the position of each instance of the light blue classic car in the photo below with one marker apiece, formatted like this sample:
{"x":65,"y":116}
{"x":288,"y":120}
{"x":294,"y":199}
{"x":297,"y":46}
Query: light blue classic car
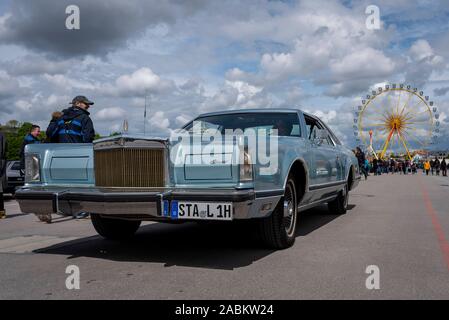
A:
{"x":266,"y":165}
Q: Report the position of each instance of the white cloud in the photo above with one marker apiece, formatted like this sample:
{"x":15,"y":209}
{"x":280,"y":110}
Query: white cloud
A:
{"x":109,"y":114}
{"x":9,"y":86}
{"x":141,"y":80}
{"x":420,"y":49}
{"x":424,"y":63}
{"x":363,"y":63}
{"x":23,"y":105}
{"x":159,"y":122}
{"x":64,"y":82}
{"x":182,"y":120}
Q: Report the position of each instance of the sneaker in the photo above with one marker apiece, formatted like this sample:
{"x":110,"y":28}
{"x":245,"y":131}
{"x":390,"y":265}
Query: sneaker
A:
{"x":82,"y":215}
{"x":2,"y":214}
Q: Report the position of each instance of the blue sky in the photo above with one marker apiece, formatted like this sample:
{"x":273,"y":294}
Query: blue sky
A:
{"x":198,"y":56}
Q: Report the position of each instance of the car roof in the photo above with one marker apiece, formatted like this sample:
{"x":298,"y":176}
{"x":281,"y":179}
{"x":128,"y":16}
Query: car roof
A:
{"x":235,"y":111}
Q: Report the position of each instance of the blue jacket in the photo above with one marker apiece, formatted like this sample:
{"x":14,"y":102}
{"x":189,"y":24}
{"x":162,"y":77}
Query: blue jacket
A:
{"x":75,"y":126}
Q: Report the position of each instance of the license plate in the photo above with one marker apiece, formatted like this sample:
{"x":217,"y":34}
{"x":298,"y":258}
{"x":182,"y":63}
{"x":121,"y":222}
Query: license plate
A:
{"x":201,"y":210}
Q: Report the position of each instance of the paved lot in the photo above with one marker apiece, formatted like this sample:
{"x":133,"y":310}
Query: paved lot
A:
{"x":398,"y":223}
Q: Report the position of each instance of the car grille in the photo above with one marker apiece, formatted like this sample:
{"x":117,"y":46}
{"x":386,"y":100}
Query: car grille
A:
{"x":129,"y":167}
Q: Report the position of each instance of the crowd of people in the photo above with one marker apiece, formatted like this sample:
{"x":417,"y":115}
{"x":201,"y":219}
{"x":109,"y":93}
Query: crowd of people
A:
{"x":399,"y":166}
{"x":71,"y":125}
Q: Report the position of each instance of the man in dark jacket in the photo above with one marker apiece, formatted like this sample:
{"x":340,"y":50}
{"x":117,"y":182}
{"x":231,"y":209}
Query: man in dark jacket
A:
{"x":361,"y":160}
{"x":437,"y":165}
{"x":30,"y":138}
{"x":75,"y":125}
{"x":444,"y":167}
{"x":2,"y":173}
{"x":52,"y":129}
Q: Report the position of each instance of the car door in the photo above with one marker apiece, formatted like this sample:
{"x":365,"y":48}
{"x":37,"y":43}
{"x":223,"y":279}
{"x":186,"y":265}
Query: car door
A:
{"x":324,"y":166}
{"x":332,"y":154}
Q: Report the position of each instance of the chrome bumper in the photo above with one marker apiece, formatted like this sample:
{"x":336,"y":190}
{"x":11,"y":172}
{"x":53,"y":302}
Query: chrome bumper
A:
{"x":137,"y":204}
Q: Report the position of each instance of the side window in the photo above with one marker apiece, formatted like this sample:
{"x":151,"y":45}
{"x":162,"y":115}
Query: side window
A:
{"x":313,"y":126}
{"x":328,"y":139}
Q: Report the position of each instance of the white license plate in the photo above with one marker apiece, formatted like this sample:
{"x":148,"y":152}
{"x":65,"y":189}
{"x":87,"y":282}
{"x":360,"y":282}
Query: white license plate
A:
{"x":201,"y":210}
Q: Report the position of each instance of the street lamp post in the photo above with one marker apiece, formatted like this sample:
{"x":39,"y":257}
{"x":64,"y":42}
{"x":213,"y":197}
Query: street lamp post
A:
{"x":145,"y":114}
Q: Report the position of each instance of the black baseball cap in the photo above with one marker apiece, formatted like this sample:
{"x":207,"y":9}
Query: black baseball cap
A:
{"x":81,"y":99}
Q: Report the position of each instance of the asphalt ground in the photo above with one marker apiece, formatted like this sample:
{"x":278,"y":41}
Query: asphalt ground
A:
{"x":397,"y":223}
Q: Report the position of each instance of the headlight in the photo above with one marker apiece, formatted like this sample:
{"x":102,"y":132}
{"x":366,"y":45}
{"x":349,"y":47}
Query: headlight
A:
{"x":246,"y":168}
{"x":32,"y":168}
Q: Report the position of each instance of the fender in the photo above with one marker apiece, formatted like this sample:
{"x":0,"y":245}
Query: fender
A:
{"x":301,"y":160}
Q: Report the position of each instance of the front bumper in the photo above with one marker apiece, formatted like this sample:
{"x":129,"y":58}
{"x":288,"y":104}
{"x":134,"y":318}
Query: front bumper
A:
{"x":135,"y":204}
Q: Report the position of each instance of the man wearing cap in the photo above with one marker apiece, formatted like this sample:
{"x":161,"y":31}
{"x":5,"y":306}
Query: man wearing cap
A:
{"x":75,"y":126}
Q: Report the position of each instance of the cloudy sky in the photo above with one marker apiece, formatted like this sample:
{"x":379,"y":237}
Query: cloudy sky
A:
{"x":203,"y":55}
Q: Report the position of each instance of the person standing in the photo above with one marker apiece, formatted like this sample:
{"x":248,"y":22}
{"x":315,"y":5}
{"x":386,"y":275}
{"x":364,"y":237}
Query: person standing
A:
{"x":437,"y":165}
{"x":31,"y":138}
{"x":444,"y":168}
{"x":427,"y":167}
{"x":52,"y":129}
{"x":75,"y":125}
{"x":2,"y":173}
{"x":361,"y":160}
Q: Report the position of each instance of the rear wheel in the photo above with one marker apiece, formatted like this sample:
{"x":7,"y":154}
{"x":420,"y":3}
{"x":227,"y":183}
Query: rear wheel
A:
{"x":340,"y":204}
{"x":114,"y":229}
{"x":278,"y":230}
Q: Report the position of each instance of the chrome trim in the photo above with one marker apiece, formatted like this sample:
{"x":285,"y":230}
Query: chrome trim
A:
{"x":315,"y":203}
{"x":125,"y":141}
{"x":326,"y":185}
{"x":110,"y":203}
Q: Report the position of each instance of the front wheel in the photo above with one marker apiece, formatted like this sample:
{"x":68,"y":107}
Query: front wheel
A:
{"x":114,"y":229}
{"x":278,"y":230}
{"x":340,"y":204}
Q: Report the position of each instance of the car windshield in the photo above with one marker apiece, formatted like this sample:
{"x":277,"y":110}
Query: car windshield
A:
{"x":287,"y":124}
{"x":15,"y":166}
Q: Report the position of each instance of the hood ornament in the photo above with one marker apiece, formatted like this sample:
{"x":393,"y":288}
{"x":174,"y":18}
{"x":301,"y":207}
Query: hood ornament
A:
{"x":125,"y":126}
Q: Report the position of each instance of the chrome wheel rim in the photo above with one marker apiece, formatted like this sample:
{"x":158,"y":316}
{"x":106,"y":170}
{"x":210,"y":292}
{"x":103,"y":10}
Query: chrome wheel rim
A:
{"x":290,"y":209}
{"x":345,"y":196}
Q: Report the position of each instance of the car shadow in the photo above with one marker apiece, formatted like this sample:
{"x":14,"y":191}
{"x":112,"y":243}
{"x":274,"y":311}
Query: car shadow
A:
{"x":213,"y":246}
{"x":15,"y":215}
{"x":313,"y":219}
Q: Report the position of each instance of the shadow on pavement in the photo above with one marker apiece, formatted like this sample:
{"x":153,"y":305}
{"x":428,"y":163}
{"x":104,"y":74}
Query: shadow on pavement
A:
{"x":212,"y":246}
{"x":9,"y":216}
{"x":315,"y":218}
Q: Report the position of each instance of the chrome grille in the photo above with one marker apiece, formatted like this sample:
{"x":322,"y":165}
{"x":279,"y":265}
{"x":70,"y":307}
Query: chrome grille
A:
{"x":129,"y":167}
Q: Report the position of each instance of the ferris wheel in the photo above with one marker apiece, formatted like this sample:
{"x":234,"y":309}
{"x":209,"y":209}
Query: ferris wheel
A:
{"x":396,"y":119}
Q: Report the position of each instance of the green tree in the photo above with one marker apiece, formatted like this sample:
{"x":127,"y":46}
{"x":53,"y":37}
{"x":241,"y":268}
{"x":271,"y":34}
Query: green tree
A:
{"x":12,"y":124}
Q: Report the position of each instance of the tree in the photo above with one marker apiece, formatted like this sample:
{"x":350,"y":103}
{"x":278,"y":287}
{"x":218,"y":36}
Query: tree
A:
{"x":12,"y":124}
